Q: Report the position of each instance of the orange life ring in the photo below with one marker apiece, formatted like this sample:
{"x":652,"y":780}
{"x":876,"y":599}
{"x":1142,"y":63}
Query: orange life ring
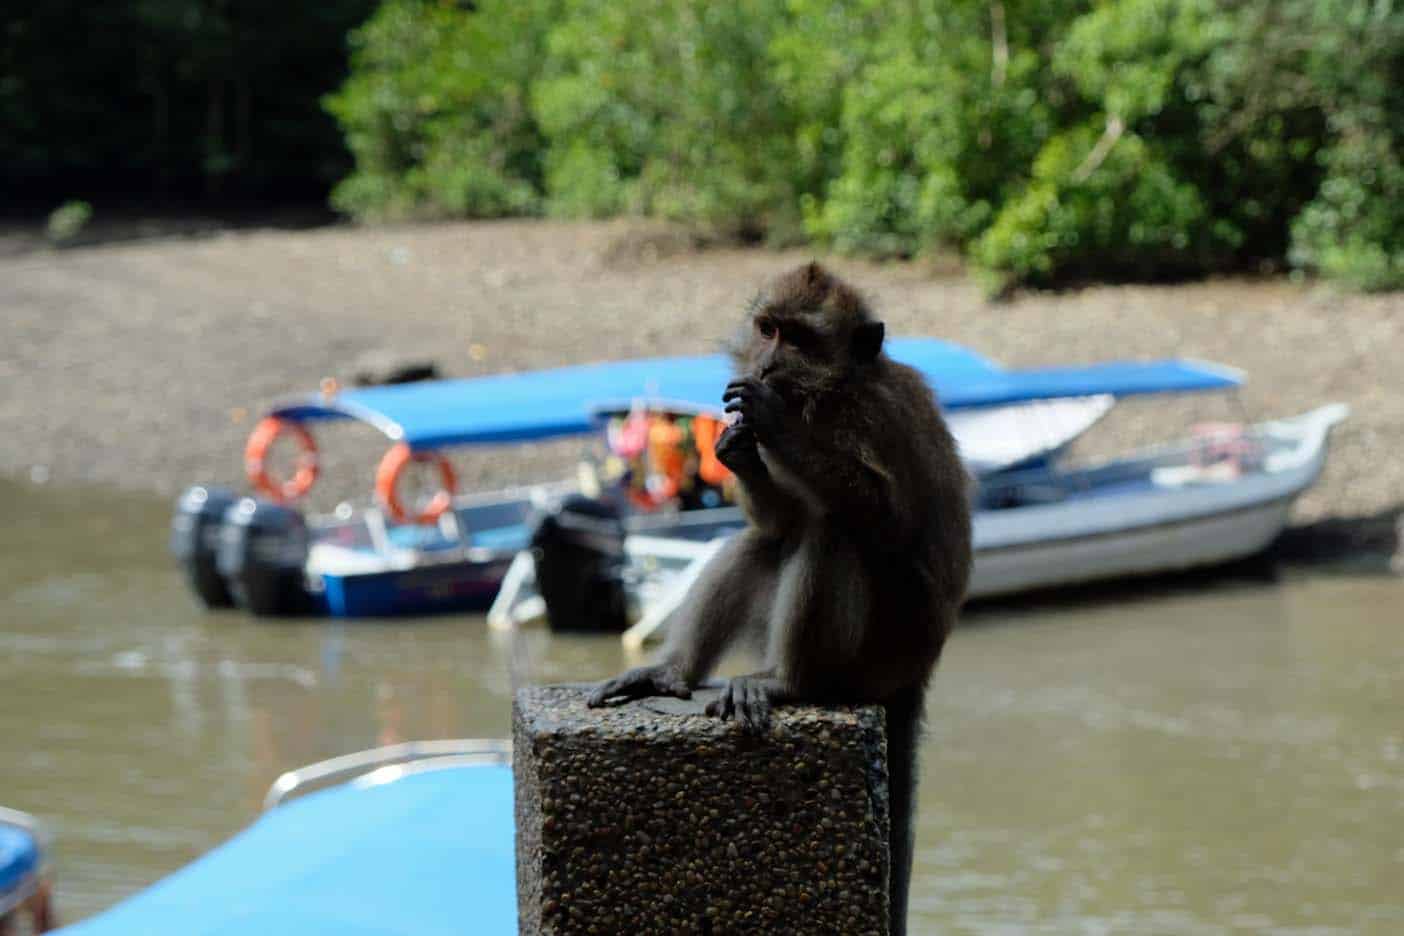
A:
{"x":256,"y":454}
{"x":387,"y":479}
{"x":706,"y":430}
{"x":663,"y":464}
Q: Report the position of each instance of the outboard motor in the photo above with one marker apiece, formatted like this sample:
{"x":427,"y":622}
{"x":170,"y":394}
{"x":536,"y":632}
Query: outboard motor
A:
{"x":195,"y":532}
{"x":262,"y":554}
{"x":579,"y":553}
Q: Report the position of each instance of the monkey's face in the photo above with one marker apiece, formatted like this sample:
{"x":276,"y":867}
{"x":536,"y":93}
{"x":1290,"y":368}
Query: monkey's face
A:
{"x":803,"y":351}
{"x":791,"y":351}
{"x":805,"y":333}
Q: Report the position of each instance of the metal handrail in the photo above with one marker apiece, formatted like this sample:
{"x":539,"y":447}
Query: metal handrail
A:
{"x":392,"y":772}
{"x":463,"y":751}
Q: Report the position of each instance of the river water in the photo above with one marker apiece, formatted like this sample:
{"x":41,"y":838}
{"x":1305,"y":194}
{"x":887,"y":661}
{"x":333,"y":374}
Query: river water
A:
{"x":1219,"y":757}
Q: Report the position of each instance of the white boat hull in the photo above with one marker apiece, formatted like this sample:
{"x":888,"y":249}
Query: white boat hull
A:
{"x":1184,"y":515}
{"x":1163,"y":529}
{"x":1167,"y":548}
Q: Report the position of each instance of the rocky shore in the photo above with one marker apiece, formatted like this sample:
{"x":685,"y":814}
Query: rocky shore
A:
{"x":142,"y":364}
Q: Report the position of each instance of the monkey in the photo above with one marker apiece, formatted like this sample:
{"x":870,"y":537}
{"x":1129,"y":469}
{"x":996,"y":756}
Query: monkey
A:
{"x":856,"y":555}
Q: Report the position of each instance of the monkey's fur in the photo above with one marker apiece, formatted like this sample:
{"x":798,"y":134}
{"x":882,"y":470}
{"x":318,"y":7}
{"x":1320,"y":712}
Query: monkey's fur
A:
{"x":857,"y":555}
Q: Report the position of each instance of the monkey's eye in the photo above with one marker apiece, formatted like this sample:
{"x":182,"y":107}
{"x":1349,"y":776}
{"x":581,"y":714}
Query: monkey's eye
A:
{"x":768,"y":329}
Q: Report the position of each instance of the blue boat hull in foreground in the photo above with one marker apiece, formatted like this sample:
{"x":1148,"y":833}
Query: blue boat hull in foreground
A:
{"x":400,"y":851}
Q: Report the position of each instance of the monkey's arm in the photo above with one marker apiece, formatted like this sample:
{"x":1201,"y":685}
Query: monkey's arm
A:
{"x":770,"y":509}
{"x":848,"y":484}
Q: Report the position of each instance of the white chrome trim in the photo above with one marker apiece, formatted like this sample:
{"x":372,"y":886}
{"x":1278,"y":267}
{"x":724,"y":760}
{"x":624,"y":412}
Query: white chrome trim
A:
{"x":361,"y":766}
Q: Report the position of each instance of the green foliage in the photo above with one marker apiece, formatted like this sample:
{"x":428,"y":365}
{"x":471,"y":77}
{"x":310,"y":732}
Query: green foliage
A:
{"x":1130,"y":214}
{"x":436,"y":110}
{"x":67,"y":221}
{"x":1354,"y":228}
{"x":939,"y":127}
{"x":1044,"y":138}
{"x":665,"y":107}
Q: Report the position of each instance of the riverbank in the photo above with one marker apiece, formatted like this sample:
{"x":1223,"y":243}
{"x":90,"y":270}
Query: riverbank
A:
{"x":141,"y":364}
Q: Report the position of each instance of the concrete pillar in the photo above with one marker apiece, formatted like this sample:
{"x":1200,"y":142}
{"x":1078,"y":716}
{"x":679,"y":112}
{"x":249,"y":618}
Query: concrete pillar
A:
{"x":653,"y":818}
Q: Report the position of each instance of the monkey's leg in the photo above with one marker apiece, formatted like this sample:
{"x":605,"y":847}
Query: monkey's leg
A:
{"x":821,"y":614}
{"x":733,"y":592}
{"x":904,"y":713}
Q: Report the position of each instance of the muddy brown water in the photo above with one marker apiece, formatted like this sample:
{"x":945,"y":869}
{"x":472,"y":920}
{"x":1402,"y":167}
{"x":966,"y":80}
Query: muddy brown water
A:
{"x":1219,"y":758}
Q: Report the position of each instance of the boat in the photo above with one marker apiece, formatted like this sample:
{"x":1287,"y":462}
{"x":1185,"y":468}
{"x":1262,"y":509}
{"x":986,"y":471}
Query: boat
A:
{"x":451,"y":552}
{"x":413,"y":838}
{"x":1223,"y":494}
{"x":24,"y":885}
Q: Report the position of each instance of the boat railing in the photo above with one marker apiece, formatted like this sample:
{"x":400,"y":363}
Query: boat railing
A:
{"x":1047,"y":484}
{"x":409,"y":754}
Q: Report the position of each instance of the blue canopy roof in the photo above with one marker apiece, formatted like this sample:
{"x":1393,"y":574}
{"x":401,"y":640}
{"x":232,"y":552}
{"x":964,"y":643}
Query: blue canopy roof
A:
{"x":430,"y":853}
{"x":544,"y":404}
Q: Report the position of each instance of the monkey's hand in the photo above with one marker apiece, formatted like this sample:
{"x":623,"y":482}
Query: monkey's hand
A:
{"x":749,"y":700}
{"x":736,"y":449}
{"x":761,"y":408}
{"x":662,"y":679}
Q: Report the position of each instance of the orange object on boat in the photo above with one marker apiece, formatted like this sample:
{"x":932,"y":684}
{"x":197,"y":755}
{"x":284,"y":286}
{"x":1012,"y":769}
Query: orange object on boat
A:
{"x":387,"y":479}
{"x":706,"y":430}
{"x":256,"y":460}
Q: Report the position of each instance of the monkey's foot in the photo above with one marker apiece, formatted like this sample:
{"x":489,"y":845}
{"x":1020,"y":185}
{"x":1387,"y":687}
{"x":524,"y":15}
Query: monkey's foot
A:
{"x":640,"y":683}
{"x":749,"y":700}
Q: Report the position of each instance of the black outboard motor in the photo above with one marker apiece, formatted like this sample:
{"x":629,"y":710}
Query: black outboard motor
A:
{"x":262,"y":554}
{"x":195,"y":533}
{"x":579,"y":552}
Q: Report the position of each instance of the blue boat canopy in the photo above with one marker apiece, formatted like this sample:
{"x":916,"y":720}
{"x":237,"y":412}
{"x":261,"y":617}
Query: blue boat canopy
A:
{"x":563,"y":401}
{"x":427,"y":854}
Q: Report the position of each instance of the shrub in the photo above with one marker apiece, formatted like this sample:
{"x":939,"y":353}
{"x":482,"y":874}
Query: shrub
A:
{"x":67,"y":221}
{"x":941,"y":124}
{"x":436,"y":110}
{"x":1044,"y":138}
{"x":1130,"y":214}
{"x":1353,"y":73}
{"x":665,"y":108}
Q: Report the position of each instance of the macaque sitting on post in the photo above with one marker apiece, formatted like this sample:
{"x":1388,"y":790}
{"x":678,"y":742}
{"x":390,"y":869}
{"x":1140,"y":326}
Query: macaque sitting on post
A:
{"x":857,"y":554}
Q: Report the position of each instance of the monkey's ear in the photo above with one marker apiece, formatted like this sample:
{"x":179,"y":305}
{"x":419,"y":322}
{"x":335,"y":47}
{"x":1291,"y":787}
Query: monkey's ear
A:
{"x":867,"y":340}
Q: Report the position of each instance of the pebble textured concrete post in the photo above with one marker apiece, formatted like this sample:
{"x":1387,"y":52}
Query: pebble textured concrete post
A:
{"x":653,"y":818}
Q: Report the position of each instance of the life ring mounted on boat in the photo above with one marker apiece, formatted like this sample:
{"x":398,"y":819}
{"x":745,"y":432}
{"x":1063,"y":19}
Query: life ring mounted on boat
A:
{"x":387,"y":482}
{"x":268,"y":430}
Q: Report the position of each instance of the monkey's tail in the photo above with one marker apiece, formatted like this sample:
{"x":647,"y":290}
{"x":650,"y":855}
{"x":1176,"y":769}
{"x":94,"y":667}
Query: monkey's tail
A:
{"x":904,"y":723}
